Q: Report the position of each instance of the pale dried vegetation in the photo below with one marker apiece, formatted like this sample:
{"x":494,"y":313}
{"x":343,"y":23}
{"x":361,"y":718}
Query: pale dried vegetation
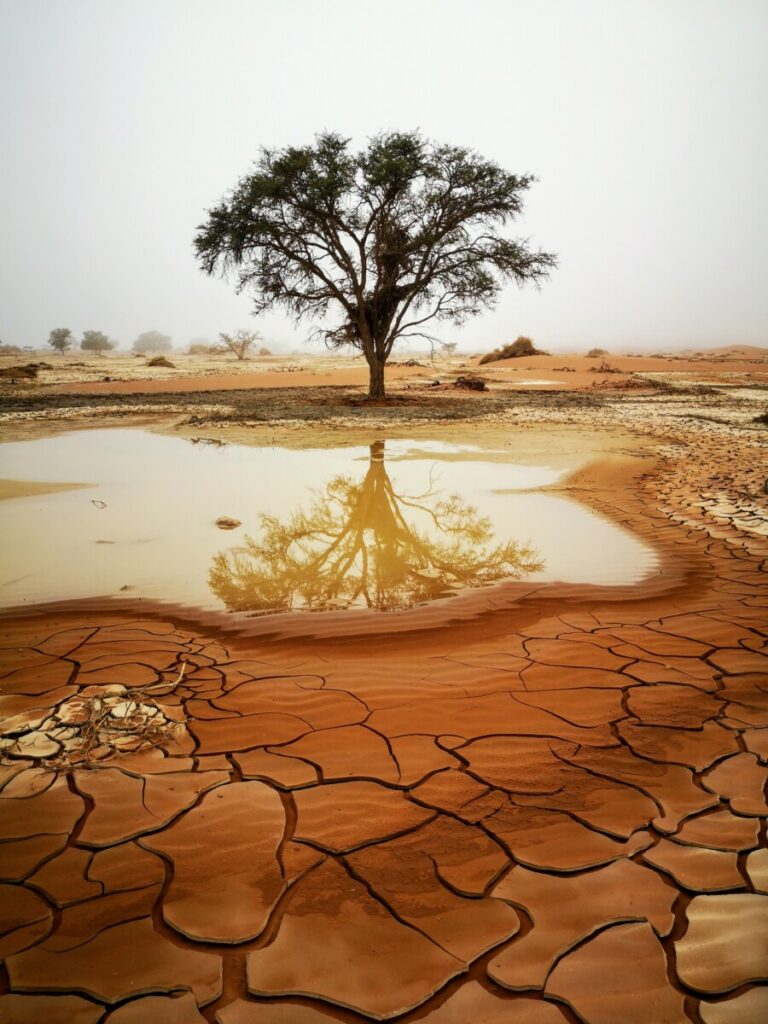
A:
{"x":517,"y":349}
{"x":94,"y":725}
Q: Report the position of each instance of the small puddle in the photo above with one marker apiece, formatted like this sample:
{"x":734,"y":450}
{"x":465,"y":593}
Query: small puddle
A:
{"x":386,"y":526}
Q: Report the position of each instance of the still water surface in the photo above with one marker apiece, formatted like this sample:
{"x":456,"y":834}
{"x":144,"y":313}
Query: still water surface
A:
{"x":388,"y":525}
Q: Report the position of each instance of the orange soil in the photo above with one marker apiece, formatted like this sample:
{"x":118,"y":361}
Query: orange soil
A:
{"x":560,"y":372}
{"x":558,"y":805}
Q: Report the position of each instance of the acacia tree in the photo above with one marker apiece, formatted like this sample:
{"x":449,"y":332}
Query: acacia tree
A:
{"x":240,"y":342}
{"x":374,"y":244}
{"x":60,"y":339}
{"x":96,"y":341}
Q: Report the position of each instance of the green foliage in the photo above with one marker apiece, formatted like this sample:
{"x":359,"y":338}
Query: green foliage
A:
{"x":382,"y":241}
{"x":96,"y":341}
{"x":522,"y":346}
{"x":60,"y":339}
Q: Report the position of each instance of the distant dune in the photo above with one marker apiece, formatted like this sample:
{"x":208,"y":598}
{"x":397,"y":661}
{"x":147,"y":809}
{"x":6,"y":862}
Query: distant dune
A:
{"x":738,"y":351}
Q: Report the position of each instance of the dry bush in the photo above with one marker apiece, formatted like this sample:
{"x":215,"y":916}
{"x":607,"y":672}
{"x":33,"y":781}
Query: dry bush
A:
{"x":604,"y":367}
{"x":161,"y":361}
{"x":471,"y":383}
{"x":597,"y":353}
{"x":522,"y":346}
{"x":93,"y":727}
{"x":240,"y":343}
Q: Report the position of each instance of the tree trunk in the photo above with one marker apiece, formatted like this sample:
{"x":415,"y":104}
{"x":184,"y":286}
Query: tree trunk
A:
{"x":376,"y":383}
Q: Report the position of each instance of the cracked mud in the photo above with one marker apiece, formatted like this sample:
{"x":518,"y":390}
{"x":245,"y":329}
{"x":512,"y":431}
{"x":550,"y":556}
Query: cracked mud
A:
{"x":554,"y":813}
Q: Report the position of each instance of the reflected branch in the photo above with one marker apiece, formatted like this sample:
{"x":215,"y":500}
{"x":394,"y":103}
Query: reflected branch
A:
{"x":354,"y":547}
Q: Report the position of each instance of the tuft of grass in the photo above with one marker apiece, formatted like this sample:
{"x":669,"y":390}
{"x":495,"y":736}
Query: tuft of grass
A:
{"x":522,"y":346}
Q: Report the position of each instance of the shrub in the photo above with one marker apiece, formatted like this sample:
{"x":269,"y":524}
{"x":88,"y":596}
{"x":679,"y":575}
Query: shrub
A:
{"x":597,"y":353}
{"x":471,"y":383}
{"x":522,"y":346}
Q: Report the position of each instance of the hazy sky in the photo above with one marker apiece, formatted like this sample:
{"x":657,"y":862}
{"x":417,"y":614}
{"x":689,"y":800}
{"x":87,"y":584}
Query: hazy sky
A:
{"x":645,"y":121}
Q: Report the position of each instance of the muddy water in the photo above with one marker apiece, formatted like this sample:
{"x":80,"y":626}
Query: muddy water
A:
{"x":387,"y":526}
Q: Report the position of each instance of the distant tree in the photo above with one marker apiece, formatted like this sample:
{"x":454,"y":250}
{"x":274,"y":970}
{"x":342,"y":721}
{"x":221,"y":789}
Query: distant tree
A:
{"x":390,"y":238}
{"x":152,"y":341}
{"x":596,"y":353}
{"x":449,"y":347}
{"x":240,"y":342}
{"x":95,"y":341}
{"x":61,"y":339}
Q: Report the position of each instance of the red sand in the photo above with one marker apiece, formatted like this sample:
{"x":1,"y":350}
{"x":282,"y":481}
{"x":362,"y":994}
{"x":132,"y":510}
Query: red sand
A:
{"x":560,"y":805}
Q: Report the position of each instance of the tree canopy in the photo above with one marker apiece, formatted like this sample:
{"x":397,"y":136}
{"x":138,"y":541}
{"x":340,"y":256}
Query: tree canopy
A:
{"x":372,"y":246}
{"x":60,"y":339}
{"x":96,"y":341}
{"x":153,"y":341}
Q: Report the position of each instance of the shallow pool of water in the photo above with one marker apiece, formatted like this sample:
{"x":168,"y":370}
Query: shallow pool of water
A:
{"x":388,"y":525}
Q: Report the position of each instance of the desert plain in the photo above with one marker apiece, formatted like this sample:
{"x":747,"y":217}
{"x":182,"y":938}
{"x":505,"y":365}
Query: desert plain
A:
{"x":463,"y":789}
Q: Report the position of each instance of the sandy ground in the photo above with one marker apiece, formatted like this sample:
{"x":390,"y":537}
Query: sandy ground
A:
{"x":130,"y":375}
{"x":27,"y":488}
{"x":544,"y":812}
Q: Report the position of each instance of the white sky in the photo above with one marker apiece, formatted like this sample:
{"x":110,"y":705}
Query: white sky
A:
{"x":645,"y":121}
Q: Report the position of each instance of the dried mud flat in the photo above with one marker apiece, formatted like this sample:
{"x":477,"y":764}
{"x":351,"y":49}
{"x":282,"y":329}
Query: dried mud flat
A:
{"x":553,"y":813}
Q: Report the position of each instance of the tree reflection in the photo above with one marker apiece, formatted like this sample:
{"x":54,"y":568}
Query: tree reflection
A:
{"x":354,"y":547}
